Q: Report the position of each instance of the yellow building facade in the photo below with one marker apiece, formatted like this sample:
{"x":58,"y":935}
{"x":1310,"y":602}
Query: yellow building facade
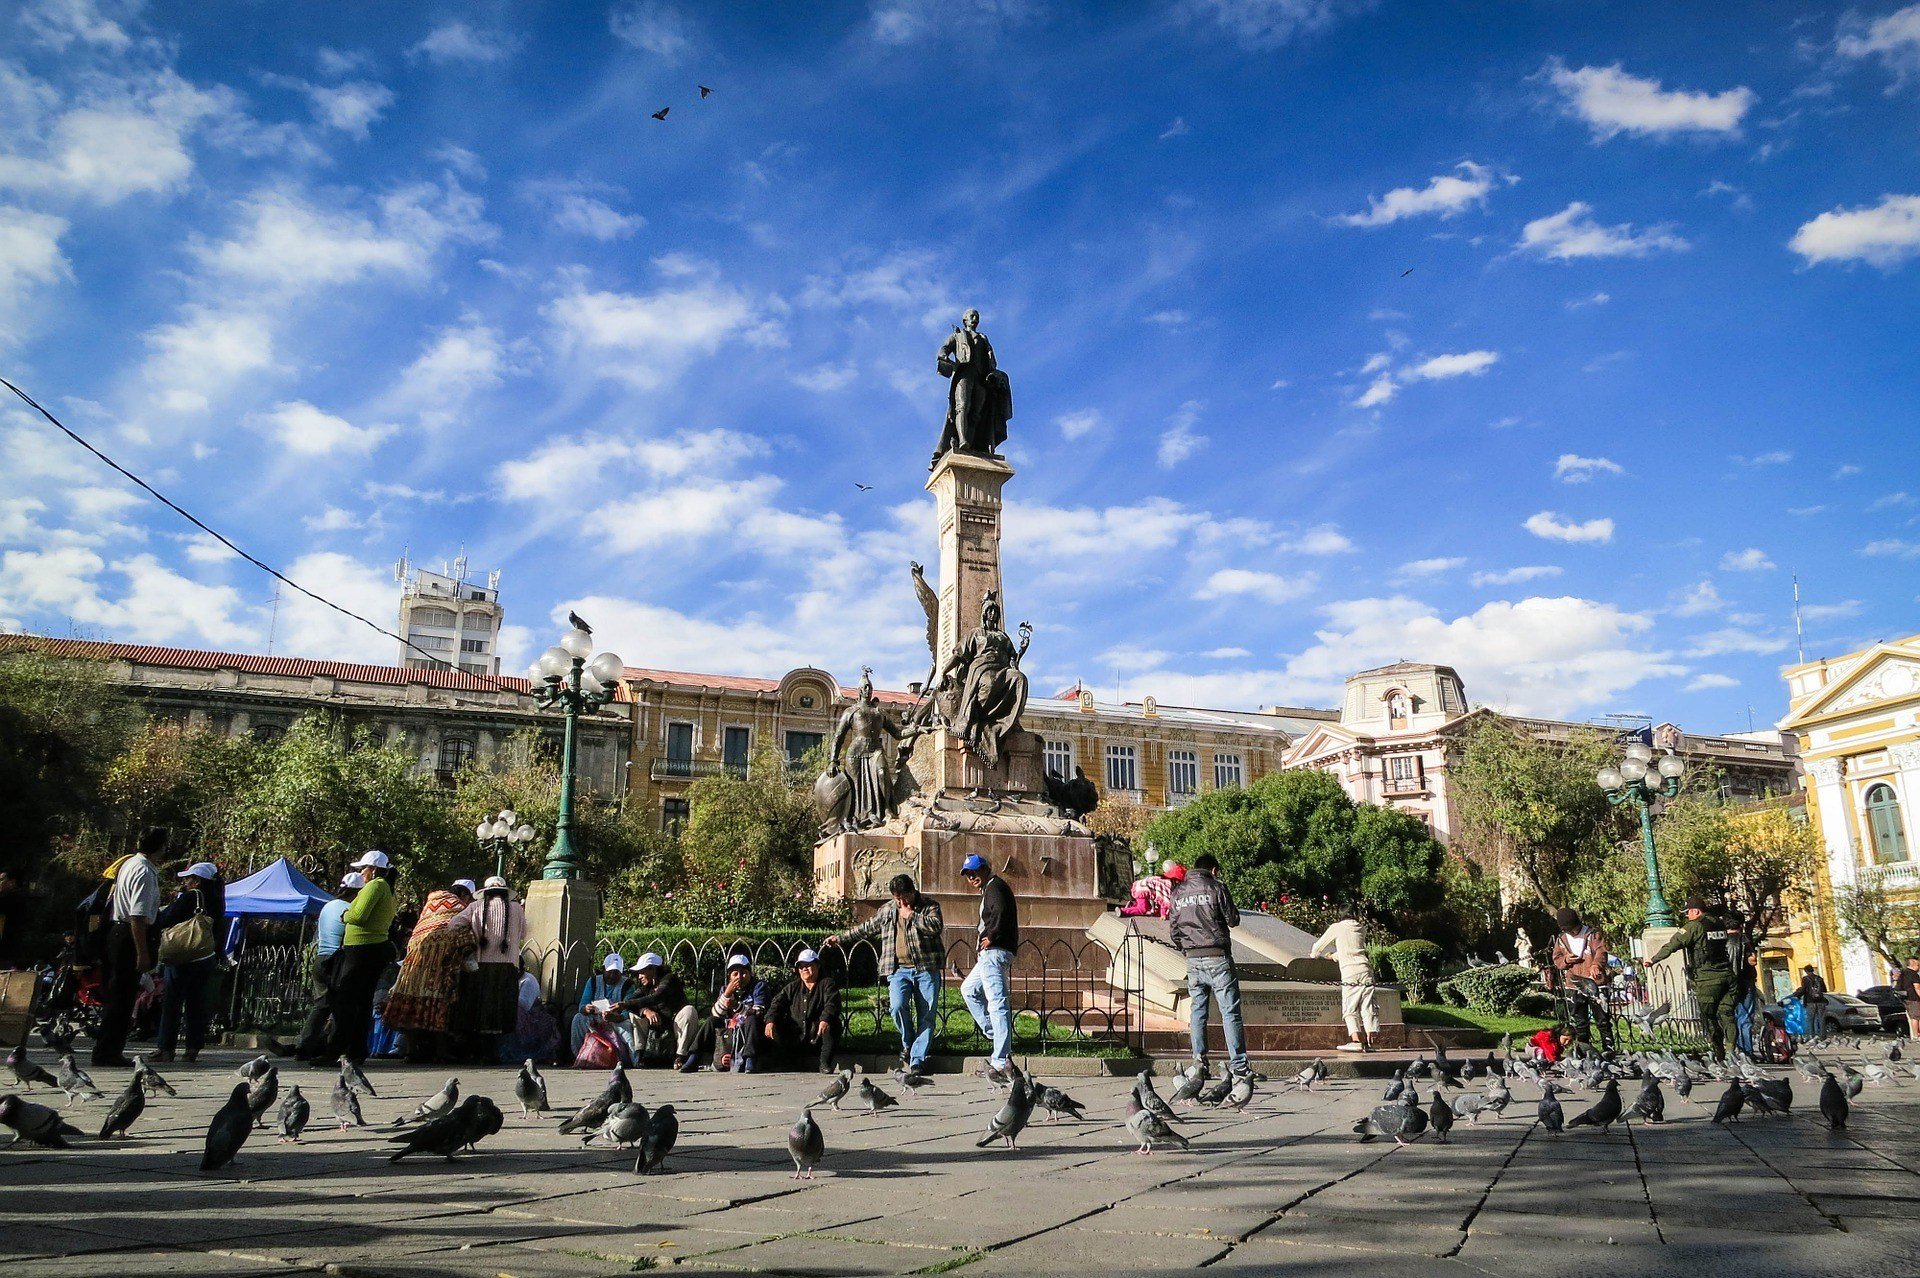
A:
{"x":1857,"y":718}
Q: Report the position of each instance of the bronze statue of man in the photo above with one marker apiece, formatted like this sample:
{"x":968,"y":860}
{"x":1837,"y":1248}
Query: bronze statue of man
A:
{"x":863,"y":752}
{"x":992,"y":689}
{"x":979,"y":397}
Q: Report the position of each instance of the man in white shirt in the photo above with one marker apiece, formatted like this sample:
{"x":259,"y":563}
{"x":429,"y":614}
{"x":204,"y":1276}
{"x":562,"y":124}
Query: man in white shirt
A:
{"x":130,"y":946}
{"x":1345,"y":941}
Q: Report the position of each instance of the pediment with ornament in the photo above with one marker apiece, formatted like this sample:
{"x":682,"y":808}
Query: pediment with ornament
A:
{"x":1890,"y":675}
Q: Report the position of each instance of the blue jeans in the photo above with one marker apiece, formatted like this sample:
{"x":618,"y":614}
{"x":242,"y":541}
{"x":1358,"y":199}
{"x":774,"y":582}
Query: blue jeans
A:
{"x":1208,"y":980}
{"x":912,"y":994}
{"x":985,"y":991}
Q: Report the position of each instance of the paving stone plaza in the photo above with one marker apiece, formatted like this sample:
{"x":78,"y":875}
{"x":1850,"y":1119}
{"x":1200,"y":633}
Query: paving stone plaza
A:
{"x":1284,"y":1187}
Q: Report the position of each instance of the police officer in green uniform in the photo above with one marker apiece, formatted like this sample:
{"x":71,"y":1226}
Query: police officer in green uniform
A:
{"x":1710,"y":968}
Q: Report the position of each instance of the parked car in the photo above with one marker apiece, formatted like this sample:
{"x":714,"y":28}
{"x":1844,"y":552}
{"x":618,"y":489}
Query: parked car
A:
{"x":1844,"y":1012}
{"x":1893,"y":1012}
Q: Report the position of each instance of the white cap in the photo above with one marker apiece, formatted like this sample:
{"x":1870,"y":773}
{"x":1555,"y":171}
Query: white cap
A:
{"x":468,"y":884}
{"x":805,"y":957}
{"x":647,"y":960}
{"x":739,"y":960}
{"x":373,"y":860}
{"x":201,"y":870}
{"x":352,"y":880}
{"x":495,"y":883}
{"x":613,"y":963}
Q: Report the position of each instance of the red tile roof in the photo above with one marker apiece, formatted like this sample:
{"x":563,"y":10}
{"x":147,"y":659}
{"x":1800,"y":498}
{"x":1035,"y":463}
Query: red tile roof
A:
{"x":295,"y":667}
{"x":747,"y":683}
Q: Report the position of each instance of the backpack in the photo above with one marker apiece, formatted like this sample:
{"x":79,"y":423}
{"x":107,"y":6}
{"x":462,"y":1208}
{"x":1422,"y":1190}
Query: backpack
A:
{"x":92,"y":920}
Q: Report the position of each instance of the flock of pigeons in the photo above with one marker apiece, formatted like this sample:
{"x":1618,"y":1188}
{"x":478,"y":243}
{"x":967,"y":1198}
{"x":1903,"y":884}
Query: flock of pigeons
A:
{"x":446,"y":1123}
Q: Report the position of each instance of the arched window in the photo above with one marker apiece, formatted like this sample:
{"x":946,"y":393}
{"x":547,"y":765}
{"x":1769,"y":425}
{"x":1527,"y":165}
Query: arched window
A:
{"x":454,"y":753}
{"x":1884,"y":826}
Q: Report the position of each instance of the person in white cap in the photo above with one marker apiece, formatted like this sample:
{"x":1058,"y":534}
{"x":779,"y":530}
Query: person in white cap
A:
{"x":738,"y":1014}
{"x":661,"y":1023}
{"x":600,"y":998}
{"x":329,"y":930}
{"x":365,"y":950}
{"x":190,"y":928}
{"x":488,"y":1004}
{"x":803,"y":1021}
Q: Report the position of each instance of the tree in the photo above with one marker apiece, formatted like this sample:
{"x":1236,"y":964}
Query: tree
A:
{"x":754,"y":834}
{"x":1297,"y":834}
{"x":1754,"y":864}
{"x":1888,"y":926}
{"x":525,"y":777}
{"x":182,"y":778}
{"x":61,"y":724}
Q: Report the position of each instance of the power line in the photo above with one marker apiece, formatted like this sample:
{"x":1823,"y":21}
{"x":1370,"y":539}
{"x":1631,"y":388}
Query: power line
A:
{"x":263,"y":566}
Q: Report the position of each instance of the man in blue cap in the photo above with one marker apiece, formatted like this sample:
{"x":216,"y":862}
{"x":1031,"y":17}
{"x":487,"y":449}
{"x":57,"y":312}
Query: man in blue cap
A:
{"x":986,"y":987}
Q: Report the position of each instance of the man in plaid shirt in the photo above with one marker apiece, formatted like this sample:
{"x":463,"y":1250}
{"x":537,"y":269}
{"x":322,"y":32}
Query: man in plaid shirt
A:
{"x":912,"y":953}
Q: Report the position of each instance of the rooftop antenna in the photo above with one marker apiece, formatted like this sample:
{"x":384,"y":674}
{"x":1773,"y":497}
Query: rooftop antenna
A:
{"x":401,"y":568}
{"x":273,"y":619}
{"x":460,"y":567}
{"x":1799,"y":635}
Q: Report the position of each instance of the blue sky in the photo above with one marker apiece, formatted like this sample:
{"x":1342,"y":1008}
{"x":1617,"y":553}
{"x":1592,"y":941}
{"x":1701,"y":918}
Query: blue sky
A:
{"x":1544,"y":339}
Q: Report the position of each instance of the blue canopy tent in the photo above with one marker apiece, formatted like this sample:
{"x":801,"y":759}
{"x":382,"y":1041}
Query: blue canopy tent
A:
{"x":272,"y":975}
{"x":279,"y":891}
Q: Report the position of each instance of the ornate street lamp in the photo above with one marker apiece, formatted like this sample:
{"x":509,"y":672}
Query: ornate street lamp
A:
{"x":1642,"y":780}
{"x":576,"y":686}
{"x":500,"y":833}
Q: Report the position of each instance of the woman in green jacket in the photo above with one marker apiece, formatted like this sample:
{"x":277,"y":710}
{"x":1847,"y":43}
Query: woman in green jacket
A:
{"x":365,"y":951}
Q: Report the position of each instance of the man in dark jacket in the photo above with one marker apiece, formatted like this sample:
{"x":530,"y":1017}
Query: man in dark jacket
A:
{"x":1813,"y":1000}
{"x":803,"y":1021}
{"x":1200,"y":926}
{"x":1710,"y":968}
{"x":986,"y":987}
{"x":659,"y":1018}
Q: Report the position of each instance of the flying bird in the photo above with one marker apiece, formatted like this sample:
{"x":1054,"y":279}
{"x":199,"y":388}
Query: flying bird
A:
{"x":806,"y":1144}
{"x":705,"y":92}
{"x":1406,"y":272}
{"x":865,"y":488}
{"x":661,"y":114}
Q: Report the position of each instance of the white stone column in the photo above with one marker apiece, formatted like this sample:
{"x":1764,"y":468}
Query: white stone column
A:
{"x":966,"y":490}
{"x":1859,"y":967}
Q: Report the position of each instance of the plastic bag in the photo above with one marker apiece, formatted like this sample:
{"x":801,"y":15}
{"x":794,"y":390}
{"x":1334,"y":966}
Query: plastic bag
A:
{"x":597,"y":1051}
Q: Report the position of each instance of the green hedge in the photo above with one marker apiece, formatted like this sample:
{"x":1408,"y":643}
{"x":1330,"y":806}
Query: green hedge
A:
{"x":1416,"y":966}
{"x":700,"y":955}
{"x":1494,"y":991}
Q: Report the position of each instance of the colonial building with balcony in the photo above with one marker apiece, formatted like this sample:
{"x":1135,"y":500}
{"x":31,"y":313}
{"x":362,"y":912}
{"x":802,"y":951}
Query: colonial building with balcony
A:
{"x":1857,"y":720}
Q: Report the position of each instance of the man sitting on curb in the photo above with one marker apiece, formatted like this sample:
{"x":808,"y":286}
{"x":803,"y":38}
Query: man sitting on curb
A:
{"x":803,"y":1021}
{"x":660,"y":1021}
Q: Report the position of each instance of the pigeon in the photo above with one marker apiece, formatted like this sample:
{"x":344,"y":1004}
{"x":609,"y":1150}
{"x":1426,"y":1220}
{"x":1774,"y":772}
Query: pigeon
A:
{"x":836,"y":1090}
{"x":1651,"y":1103}
{"x":1833,"y":1103}
{"x":1498,"y":1096}
{"x":294,"y":1113}
{"x":262,"y":1093}
{"x":1647,"y":1018}
{"x":875,"y":1098}
{"x":589,"y":1115}
{"x":150,"y":1077}
{"x":1189,"y":1087}
{"x":997,"y":1079}
{"x":1876,"y":1073}
{"x":1406,"y":272}
{"x":806,"y":1144}
{"x":126,"y":1108}
{"x":1769,"y":1095}
{"x":1466,"y":1071}
{"x":1603,"y":1113}
{"x":1012,"y":1118}
{"x":1242,"y":1093}
{"x":355,"y":1078}
{"x":1398,"y":1085}
{"x":1218,"y":1093}
{"x":439,"y":1105}
{"x":1731,"y":1102}
{"x":530,"y":1089}
{"x":36,"y":1124}
{"x":1418,"y":1069}
{"x":624,"y":1125}
{"x":1852,"y":1081}
{"x":58,"y":1032}
{"x":1441,"y":1115}
{"x":346,"y":1106}
{"x":619,"y":1090}
{"x":448,"y":1133}
{"x":1469,"y":1106}
{"x":26,"y":1072}
{"x":1398,"y":1120}
{"x":912,"y":1080}
{"x":1893,"y":1052}
{"x":661,"y":114}
{"x":1683,"y":1086}
{"x":76,"y":1082}
{"x":1552,"y":1117}
{"x":1150,"y":1099}
{"x":1057,"y":1102}
{"x":228,"y":1131}
{"x":865,"y":488}
{"x":254,"y":1068}
{"x":574,"y":620}
{"x":705,"y":92}
{"x":1312,"y":1074}
{"x":663,"y":1129}
{"x":1149,"y":1128}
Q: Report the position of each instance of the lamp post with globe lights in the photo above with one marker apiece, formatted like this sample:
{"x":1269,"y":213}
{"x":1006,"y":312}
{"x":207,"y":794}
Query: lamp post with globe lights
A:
{"x":574,"y":685}
{"x":501,"y":833}
{"x":1643,"y":780}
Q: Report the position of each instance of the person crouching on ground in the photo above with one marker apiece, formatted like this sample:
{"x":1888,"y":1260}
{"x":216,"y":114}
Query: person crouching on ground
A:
{"x":1201,"y":928}
{"x":803,"y":1021}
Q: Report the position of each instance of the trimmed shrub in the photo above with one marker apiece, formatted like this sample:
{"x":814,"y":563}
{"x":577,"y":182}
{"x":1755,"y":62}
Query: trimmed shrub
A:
{"x":1377,"y":960}
{"x":1450,"y":994}
{"x":1494,"y":991}
{"x":1534,"y":1003}
{"x":1416,"y":966}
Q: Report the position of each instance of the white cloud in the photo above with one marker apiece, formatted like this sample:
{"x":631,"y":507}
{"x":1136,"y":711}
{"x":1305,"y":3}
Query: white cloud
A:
{"x":137,"y":599}
{"x":1178,"y":129}
{"x":1733,"y":639}
{"x":1078,"y":424}
{"x":691,"y":511}
{"x":1701,"y":683}
{"x":29,"y":256}
{"x":1169,"y":319}
{"x":1226,"y":654}
{"x":1265,"y":587}
{"x":1592,"y":299}
{"x":827,"y":378}
{"x":1181,"y":439}
{"x":1892,"y":548}
{"x":353,"y":108}
{"x":1268,"y":24}
{"x":1572,"y":468}
{"x":1430,"y":567}
{"x":1846,"y":470}
{"x":59,"y":23}
{"x":285,"y":240}
{"x":459,"y":41}
{"x":1551,"y":526}
{"x":1697,"y":600}
{"x":1893,"y":38}
{"x":1779,"y":457}
{"x":1752,"y":559}
{"x":1612,"y":102}
{"x":203,"y":353}
{"x":306,"y":629}
{"x":1322,"y":540}
{"x":1884,"y":235}
{"x":1514,"y":576}
{"x":652,"y":28}
{"x":1380,"y":391}
{"x":1440,"y":367}
{"x":1833,"y":611}
{"x":1156,"y":523}
{"x":906,"y":279}
{"x":1891,"y":500}
{"x":93,"y":504}
{"x":104,"y":154}
{"x":596,"y":219}
{"x":900,"y":22}
{"x":1446,"y":195}
{"x":332,"y":519}
{"x":203,"y":549}
{"x":552,"y":472}
{"x":1572,"y":233}
{"x":459,"y":362}
{"x":304,"y":430}
{"x":649,"y":338}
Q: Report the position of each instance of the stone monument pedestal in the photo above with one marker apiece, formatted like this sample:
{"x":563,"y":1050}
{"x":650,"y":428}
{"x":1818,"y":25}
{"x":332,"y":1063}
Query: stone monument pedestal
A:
{"x":562,"y":918}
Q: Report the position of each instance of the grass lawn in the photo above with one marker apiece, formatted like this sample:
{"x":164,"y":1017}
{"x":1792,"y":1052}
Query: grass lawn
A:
{"x":1466,"y":1018}
{"x":955,"y":1034}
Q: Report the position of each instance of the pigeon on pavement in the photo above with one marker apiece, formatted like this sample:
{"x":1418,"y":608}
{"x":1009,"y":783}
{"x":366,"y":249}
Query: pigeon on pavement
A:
{"x":355,"y":1078}
{"x":530,"y":1089}
{"x":1312,"y":1074}
{"x":447,"y":1134}
{"x":876,"y":1099}
{"x":1651,"y":1103}
{"x":126,"y":1108}
{"x":150,"y":1077}
{"x":1398,"y":1085}
{"x":1148,"y":1128}
{"x":1057,"y":1102}
{"x":228,"y":1131}
{"x":1188,"y":1087}
{"x":1012,"y":1118}
{"x":806,"y":1144}
{"x":261,"y":1094}
{"x":663,"y":1129}
{"x":26,"y":1072}
{"x":1214,"y":1095}
{"x":618,"y":1088}
{"x":295,"y":1110}
{"x":912,"y":1080}
{"x":1150,"y":1099}
{"x":1603,"y":1113}
{"x":589,"y":1115}
{"x":1731,"y":1102}
{"x":35,"y":1123}
{"x":76,"y":1082}
{"x":1440,"y":1114}
{"x":1833,"y":1103}
{"x":624,"y":1125}
{"x":1398,"y":1120}
{"x":346,"y":1106}
{"x":438,"y":1105}
{"x":836,"y":1090}
{"x":254,"y":1068}
{"x":1552,"y":1117}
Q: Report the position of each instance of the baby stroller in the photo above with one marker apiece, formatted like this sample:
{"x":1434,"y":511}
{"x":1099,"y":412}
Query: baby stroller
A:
{"x":72,"y":1000}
